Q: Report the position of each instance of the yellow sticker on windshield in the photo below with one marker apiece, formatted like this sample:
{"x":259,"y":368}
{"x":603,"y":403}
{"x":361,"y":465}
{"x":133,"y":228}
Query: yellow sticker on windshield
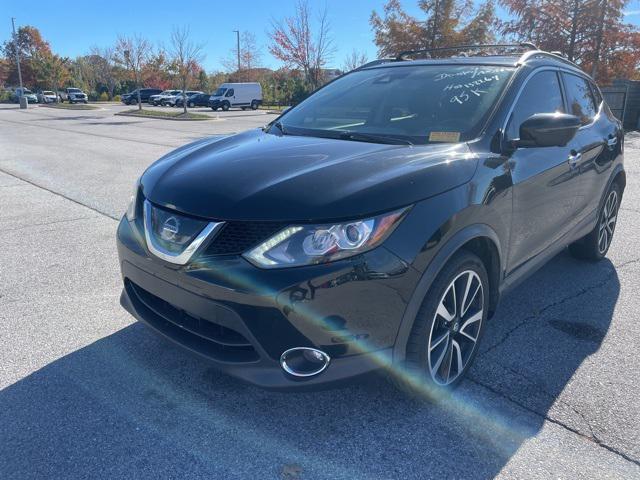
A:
{"x":449,"y":137}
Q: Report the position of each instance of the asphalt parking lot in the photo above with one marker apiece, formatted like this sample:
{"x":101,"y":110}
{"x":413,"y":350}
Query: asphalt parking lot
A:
{"x":85,"y":392}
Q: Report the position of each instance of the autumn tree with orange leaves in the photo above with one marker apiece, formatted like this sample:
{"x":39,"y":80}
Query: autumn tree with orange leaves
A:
{"x":591,"y":33}
{"x":445,"y":23}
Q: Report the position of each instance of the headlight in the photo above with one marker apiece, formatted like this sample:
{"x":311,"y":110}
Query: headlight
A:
{"x":311,"y":244}
{"x":132,"y":208}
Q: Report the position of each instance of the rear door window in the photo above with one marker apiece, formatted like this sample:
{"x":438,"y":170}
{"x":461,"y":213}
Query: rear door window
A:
{"x":541,"y":94}
{"x":580,"y":98}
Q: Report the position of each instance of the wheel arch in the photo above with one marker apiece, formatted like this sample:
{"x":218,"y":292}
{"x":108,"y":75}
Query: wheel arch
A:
{"x":619,"y":176}
{"x":479,"y":239}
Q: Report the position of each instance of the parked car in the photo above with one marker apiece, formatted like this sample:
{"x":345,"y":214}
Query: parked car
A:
{"x":199,"y":100}
{"x":377,"y":223}
{"x":243,"y":95}
{"x":156,"y":99}
{"x":171,"y":100}
{"x":24,"y":92}
{"x":47,"y":96}
{"x":191,"y":99}
{"x":131,"y":98}
{"x":74,"y":95}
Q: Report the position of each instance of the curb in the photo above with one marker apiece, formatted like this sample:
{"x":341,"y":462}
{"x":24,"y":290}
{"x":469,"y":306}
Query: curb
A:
{"x":175,"y":119}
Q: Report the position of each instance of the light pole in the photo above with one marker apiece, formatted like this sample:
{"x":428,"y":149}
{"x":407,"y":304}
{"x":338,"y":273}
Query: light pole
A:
{"x":16,"y":46}
{"x":237,"y":32}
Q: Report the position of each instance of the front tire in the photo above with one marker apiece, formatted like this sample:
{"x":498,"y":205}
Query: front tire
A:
{"x":225,"y":106}
{"x":595,"y":245}
{"x":448,"y":327}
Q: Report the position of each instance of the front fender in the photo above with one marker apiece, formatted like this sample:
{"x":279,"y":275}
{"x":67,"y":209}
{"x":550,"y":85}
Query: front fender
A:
{"x":446,"y":251}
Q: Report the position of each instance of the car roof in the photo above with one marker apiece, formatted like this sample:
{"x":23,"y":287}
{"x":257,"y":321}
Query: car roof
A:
{"x":531,"y":58}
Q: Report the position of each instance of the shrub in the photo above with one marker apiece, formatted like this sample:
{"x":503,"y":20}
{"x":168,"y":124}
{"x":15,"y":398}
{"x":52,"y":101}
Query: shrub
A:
{"x":5,"y":96}
{"x":103,"y":97}
{"x":116,"y":98}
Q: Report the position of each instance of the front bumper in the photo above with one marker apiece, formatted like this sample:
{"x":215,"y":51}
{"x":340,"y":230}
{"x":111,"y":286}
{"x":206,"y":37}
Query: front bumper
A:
{"x":241,"y":318}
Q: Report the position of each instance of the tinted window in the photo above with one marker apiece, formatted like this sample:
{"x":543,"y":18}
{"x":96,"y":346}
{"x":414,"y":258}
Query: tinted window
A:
{"x":541,"y":94}
{"x":229,"y":93}
{"x":596,"y":94}
{"x":580,"y":98}
{"x":417,"y":103}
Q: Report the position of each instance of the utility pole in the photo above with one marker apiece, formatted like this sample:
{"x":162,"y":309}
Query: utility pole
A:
{"x":237,"y":32}
{"x":15,"y":42}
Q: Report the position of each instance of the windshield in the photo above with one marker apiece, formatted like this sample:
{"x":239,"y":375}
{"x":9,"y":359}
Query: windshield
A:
{"x":414,"y":104}
{"x":219,"y":92}
{"x":26,"y":91}
{"x":47,"y":92}
{"x":73,"y":90}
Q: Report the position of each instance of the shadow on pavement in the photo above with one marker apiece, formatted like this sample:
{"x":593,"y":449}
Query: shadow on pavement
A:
{"x":133,"y":405}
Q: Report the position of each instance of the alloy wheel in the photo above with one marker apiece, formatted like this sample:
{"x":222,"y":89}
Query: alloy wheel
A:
{"x":607,"y":221}
{"x":455,"y":328}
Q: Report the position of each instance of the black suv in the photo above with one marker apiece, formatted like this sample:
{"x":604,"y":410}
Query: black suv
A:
{"x":377,"y":223}
{"x":132,"y":97}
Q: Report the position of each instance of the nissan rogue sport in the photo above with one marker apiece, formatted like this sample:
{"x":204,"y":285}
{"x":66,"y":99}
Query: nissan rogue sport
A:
{"x":377,"y":223}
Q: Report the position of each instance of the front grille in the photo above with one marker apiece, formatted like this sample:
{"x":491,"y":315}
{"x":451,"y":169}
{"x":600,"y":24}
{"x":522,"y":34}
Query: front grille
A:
{"x":208,"y":338}
{"x":238,"y":237}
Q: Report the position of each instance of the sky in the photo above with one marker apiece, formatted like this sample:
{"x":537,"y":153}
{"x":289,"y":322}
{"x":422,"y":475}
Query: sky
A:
{"x":211,"y":23}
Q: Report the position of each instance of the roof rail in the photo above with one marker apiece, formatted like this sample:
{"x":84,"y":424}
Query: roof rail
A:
{"x":555,"y":55}
{"x":524,"y":45}
{"x":373,"y":63}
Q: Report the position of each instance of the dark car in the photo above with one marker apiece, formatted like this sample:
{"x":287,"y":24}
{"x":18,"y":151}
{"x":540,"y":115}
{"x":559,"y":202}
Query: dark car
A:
{"x":178,"y":100}
{"x":376,"y":224}
{"x":195,"y":100}
{"x":131,"y":98}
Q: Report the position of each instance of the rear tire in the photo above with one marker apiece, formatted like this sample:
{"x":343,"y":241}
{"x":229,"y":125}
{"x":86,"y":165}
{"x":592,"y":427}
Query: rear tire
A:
{"x":254,"y":105}
{"x":595,"y":245}
{"x":448,"y":328}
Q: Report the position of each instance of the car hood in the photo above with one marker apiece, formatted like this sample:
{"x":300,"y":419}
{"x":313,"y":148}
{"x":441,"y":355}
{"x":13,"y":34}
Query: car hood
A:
{"x":261,"y":176}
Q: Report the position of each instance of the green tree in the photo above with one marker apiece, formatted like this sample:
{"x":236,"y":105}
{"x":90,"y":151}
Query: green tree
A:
{"x":203,"y":81}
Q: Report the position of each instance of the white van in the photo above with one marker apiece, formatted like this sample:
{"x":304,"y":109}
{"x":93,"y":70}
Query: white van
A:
{"x":243,"y":95}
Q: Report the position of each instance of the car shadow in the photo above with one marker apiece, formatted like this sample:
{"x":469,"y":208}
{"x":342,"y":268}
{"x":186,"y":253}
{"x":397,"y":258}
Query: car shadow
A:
{"x":133,"y":405}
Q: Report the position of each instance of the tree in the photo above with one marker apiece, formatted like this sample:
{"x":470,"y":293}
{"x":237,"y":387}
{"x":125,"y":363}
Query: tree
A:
{"x":105,"y":68}
{"x":446,"y":23}
{"x":159,"y":71}
{"x":132,"y":53}
{"x":203,"y":81}
{"x":250,"y":57}
{"x":29,"y":43}
{"x":354,"y":60}
{"x":186,"y":57}
{"x":56,"y":71}
{"x":591,"y":33}
{"x":294,"y":42}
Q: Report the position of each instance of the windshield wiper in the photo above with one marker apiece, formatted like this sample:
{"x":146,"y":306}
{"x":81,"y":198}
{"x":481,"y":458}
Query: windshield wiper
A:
{"x":373,"y":137}
{"x":280,"y":127}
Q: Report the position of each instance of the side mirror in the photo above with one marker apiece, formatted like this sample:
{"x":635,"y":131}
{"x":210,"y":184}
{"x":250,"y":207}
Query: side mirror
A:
{"x":548,"y":130}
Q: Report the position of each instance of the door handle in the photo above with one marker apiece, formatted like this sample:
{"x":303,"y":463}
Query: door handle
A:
{"x":574,"y":158}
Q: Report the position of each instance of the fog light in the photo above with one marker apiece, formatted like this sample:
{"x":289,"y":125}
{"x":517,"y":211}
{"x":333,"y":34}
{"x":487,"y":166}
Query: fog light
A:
{"x":304,"y":361}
